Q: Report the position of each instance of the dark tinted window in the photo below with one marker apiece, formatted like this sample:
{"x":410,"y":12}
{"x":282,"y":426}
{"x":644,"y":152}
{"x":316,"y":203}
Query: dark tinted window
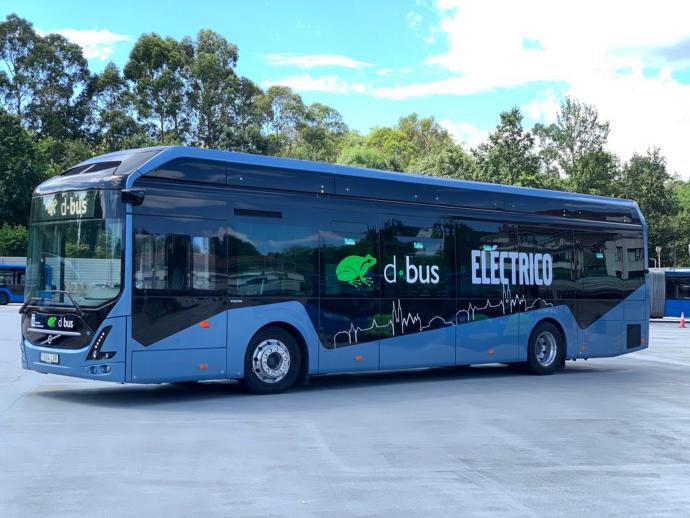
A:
{"x":192,"y":170}
{"x":602,"y":262}
{"x":415,"y":260}
{"x":350,"y":263}
{"x":553,"y":250}
{"x":678,"y":287}
{"x":484,"y":267}
{"x":174,"y":254}
{"x":272,"y":257}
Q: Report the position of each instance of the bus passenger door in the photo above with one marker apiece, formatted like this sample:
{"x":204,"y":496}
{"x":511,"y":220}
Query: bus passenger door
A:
{"x":179,"y":318}
{"x":350,"y":322}
{"x":418,"y":293}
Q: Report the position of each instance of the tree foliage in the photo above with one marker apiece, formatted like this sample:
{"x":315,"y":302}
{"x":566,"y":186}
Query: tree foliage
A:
{"x":508,"y":157}
{"x":646,"y":180}
{"x":18,"y":170}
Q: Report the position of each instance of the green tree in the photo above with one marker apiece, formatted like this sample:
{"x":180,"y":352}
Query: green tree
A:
{"x":683,"y":223}
{"x":646,"y":180}
{"x":244,"y":117}
{"x":425,"y":135}
{"x":54,"y":156}
{"x":573,"y":149}
{"x":17,"y":42}
{"x":508,"y":157}
{"x":156,"y":69}
{"x":450,"y":162}
{"x":58,"y":79}
{"x":320,"y":133}
{"x":211,"y":62}
{"x":13,"y":240}
{"x":18,"y":170}
{"x":111,"y":111}
{"x":285,"y":114}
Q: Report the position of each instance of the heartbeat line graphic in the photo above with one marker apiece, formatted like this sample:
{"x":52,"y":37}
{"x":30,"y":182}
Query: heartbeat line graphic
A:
{"x":399,"y":323}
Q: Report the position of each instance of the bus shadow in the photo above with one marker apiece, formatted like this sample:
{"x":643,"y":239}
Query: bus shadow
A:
{"x":162,"y":395}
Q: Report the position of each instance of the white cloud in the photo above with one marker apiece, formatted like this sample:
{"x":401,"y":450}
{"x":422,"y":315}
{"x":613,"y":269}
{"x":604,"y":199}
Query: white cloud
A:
{"x":326,"y":84}
{"x":601,"y":52}
{"x":413,"y":19}
{"x":385,"y":71}
{"x":96,"y":44}
{"x":464,"y":133}
{"x":544,"y":108}
{"x":315,"y":60}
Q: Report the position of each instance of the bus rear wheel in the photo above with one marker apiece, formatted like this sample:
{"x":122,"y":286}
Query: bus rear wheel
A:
{"x":546,"y":349}
{"x":4,"y":299}
{"x":272,"y":362}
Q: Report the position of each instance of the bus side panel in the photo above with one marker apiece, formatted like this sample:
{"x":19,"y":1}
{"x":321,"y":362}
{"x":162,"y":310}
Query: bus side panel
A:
{"x":492,"y":340}
{"x":432,"y":348}
{"x":561,"y":314}
{"x":636,"y":312}
{"x":604,"y":336}
{"x":674,"y":307}
{"x":243,"y":323}
{"x":195,"y":353}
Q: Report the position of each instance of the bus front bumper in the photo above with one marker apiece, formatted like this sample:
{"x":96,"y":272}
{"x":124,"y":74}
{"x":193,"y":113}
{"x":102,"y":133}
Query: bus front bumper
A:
{"x":67,"y":362}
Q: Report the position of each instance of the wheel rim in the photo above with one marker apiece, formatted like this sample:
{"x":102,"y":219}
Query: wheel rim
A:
{"x":271,"y":361}
{"x":546,"y":349}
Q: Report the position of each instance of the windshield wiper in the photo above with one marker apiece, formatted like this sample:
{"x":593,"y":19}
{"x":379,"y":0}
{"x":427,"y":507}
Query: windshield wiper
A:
{"x":77,"y":308}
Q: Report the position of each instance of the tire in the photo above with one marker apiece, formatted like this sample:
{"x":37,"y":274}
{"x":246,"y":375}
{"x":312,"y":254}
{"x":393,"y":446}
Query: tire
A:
{"x":272,"y":362}
{"x":4,"y":299}
{"x":546,"y":349}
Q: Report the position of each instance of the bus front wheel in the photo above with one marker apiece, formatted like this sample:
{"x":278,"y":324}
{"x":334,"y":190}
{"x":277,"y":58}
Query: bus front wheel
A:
{"x":546,"y":349}
{"x":272,"y":362}
{"x":4,"y":299}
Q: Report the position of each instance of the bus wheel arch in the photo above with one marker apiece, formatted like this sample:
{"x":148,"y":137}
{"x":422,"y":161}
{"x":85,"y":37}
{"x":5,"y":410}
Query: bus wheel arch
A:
{"x":296,"y":335}
{"x":546,"y":327}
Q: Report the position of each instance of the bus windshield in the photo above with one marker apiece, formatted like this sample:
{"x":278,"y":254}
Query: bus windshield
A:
{"x":75,"y":248}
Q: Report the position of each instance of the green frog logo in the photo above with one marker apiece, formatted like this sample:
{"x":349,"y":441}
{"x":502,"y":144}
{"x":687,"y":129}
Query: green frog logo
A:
{"x":353,"y":270}
{"x":51,"y":322}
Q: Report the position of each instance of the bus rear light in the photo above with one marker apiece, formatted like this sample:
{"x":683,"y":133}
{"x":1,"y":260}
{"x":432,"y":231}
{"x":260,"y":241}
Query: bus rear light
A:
{"x":203,"y":366}
{"x":359,"y":358}
{"x":205,"y":324}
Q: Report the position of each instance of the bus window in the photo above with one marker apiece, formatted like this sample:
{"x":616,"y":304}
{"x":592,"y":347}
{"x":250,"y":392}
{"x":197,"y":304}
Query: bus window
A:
{"x":416,"y":263}
{"x":678,"y":288}
{"x":178,"y":255}
{"x":558,"y":244}
{"x":271,"y":257}
{"x":611,"y":264}
{"x":350,"y":264}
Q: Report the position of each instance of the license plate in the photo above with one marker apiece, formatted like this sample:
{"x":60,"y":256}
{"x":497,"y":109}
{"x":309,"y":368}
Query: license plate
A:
{"x":50,"y":358}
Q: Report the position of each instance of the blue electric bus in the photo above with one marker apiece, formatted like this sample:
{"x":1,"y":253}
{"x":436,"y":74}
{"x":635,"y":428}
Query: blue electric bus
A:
{"x":677,"y":300}
{"x":177,"y":264}
{"x":11,"y":282}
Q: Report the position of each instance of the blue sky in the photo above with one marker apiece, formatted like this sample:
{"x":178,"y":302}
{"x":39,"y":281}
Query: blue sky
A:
{"x":460,"y":61}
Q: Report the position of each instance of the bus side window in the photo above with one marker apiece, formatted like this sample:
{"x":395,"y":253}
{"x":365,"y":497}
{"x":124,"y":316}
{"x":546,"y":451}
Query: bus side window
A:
{"x":178,"y":255}
{"x":271,"y":256}
{"x":350,"y":266}
{"x":560,"y":247}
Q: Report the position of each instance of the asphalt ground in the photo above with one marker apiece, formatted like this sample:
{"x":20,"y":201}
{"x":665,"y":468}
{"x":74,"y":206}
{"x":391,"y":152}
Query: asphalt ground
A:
{"x":606,"y":437}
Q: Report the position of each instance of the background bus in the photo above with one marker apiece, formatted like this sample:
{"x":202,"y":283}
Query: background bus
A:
{"x":175,"y":264}
{"x":670,"y":292}
{"x":12,"y":274}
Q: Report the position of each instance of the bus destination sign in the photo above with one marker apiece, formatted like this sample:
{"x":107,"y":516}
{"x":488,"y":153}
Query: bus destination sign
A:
{"x":68,"y":205}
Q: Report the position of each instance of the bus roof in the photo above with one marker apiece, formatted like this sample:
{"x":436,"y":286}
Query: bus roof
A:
{"x":124,"y":168}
